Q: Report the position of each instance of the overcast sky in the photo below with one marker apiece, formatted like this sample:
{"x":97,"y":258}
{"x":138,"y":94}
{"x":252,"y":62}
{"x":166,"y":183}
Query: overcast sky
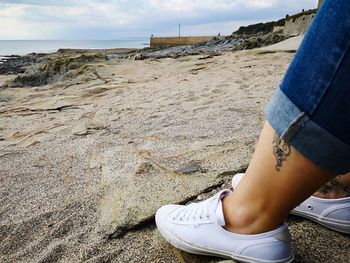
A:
{"x":113,"y":19}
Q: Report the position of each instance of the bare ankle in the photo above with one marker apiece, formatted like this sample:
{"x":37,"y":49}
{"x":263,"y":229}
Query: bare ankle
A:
{"x":244,"y":219}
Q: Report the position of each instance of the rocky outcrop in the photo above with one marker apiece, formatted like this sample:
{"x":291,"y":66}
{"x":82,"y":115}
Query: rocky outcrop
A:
{"x":13,"y":65}
{"x":42,"y":69}
{"x":259,"y":40}
{"x":259,"y":28}
{"x":213,"y":47}
{"x":57,"y":67}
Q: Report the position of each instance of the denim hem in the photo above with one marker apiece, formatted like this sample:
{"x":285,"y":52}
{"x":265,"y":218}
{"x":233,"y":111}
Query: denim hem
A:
{"x":306,"y":136}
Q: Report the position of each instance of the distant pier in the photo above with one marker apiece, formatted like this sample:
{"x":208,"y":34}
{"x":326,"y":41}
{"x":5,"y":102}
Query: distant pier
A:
{"x":180,"y":41}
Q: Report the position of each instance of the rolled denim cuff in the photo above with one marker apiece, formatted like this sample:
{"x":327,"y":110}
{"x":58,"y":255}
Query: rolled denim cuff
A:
{"x":307,"y":137}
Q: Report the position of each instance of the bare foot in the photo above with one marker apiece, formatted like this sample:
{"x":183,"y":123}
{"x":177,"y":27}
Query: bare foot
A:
{"x":334,"y":189}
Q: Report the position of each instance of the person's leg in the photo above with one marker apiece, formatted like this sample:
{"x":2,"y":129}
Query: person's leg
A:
{"x":338,"y":187}
{"x":268,"y":192}
{"x":345,"y":180}
{"x":310,"y":115}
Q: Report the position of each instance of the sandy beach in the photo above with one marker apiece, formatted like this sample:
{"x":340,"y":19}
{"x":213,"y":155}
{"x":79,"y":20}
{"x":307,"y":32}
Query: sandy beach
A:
{"x":86,"y":161}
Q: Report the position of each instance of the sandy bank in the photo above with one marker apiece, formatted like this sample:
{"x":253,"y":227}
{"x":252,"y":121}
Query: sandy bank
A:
{"x":290,"y":44}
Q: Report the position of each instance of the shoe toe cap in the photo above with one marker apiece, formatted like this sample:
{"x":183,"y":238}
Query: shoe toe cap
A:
{"x":164,"y":213}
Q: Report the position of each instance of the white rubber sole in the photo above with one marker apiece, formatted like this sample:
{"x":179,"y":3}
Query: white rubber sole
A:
{"x":339,"y":226}
{"x":191,"y":248}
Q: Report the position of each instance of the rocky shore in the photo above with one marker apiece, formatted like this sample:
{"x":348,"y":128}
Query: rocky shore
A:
{"x":70,"y":64}
{"x":93,"y":142}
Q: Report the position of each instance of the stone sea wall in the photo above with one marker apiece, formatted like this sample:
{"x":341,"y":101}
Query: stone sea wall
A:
{"x":180,"y":41}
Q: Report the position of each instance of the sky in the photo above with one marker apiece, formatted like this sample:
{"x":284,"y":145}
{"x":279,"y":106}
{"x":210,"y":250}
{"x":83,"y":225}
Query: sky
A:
{"x":115,"y":19}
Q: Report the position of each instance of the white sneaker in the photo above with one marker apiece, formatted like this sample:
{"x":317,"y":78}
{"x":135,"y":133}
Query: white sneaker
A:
{"x":331,"y":213}
{"x":198,"y":228}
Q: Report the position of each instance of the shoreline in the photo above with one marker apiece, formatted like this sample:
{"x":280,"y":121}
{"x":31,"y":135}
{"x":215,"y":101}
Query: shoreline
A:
{"x":78,"y":50}
{"x":25,"y":47}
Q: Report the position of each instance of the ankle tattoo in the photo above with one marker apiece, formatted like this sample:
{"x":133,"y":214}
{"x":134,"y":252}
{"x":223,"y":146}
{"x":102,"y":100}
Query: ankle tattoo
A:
{"x":281,"y":150}
{"x":335,"y":185}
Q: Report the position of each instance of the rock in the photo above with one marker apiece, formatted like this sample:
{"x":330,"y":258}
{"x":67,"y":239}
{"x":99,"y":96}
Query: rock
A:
{"x":259,"y":40}
{"x":138,"y":56}
{"x":95,"y":163}
{"x":136,"y":192}
{"x":57,"y":67}
{"x":12,"y":65}
{"x":80,"y":129}
{"x":5,"y":97}
{"x":191,"y":167}
{"x":117,"y":56}
{"x":29,"y":78}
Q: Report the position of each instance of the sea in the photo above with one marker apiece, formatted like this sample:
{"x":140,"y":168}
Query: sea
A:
{"x":23,"y":47}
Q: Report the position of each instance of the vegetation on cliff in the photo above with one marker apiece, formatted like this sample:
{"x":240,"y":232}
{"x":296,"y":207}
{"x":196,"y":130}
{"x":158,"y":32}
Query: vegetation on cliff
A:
{"x":259,"y":28}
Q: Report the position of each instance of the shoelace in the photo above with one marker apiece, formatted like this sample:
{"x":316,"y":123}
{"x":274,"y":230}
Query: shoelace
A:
{"x":194,"y":211}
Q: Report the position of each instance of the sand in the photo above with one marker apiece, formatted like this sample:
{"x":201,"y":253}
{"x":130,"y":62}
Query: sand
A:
{"x":84,"y":166}
{"x":290,"y":44}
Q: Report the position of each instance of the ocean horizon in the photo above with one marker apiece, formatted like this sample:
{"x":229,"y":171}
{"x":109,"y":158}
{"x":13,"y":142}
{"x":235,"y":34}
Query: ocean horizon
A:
{"x":24,"y":47}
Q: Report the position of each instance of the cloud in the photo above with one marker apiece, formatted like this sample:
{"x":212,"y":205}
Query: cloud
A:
{"x":117,"y":18}
{"x":188,"y":6}
{"x":10,"y":18}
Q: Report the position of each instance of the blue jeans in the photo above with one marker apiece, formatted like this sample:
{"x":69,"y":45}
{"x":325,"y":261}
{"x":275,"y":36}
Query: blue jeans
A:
{"x":310,"y":110}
